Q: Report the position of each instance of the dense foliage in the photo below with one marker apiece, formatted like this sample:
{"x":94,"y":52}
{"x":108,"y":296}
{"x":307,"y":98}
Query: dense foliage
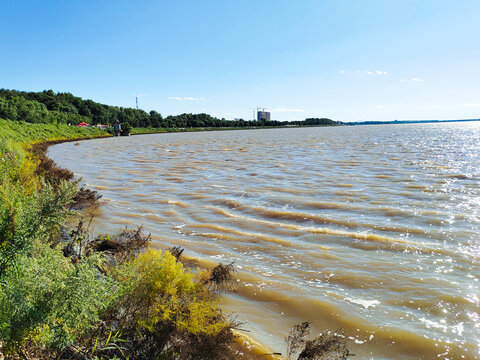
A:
{"x":50,"y":107}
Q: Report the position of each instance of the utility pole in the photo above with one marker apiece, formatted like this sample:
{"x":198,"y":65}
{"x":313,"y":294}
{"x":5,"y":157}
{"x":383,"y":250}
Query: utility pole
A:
{"x":254,"y":114}
{"x":136,"y":100}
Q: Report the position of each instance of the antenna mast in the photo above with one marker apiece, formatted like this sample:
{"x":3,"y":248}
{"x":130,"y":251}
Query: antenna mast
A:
{"x":136,"y":100}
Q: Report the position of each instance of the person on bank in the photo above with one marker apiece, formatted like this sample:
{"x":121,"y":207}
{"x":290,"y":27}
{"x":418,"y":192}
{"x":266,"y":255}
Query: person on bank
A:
{"x":117,"y":128}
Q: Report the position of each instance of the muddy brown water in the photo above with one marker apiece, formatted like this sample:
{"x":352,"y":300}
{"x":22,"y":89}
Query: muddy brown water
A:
{"x":373,"y":229}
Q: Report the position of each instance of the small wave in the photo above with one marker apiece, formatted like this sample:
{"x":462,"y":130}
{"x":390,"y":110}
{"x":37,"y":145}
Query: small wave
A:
{"x":365,"y":303}
{"x":386,"y":242}
{"x":177,"y":203}
{"x":303,"y":217}
{"x":220,"y":232}
{"x":457,"y":176}
{"x":174,"y":179}
{"x":232,"y":204}
{"x":344,"y":185}
{"x":155,"y":218}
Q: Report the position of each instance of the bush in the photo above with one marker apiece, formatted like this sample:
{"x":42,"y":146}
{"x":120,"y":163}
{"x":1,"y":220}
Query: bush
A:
{"x":163,"y":312}
{"x":24,"y":217}
{"x":51,"y":301}
{"x":126,"y":129}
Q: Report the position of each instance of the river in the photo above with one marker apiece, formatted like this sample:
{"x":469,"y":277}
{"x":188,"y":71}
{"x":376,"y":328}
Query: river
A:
{"x":371,"y":229}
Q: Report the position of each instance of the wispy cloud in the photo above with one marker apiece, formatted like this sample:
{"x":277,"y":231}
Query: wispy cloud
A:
{"x":140,"y":95}
{"x":471,"y":105}
{"x":285,"y":109}
{"x":381,"y":107}
{"x":366,"y":72}
{"x":186,"y":98}
{"x":412,"y":80}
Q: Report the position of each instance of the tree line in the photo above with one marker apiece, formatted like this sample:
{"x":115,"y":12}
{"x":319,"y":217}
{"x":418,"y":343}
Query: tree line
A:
{"x":50,"y":107}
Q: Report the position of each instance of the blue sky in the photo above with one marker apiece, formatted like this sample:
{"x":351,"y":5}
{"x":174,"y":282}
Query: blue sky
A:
{"x":347,"y":60}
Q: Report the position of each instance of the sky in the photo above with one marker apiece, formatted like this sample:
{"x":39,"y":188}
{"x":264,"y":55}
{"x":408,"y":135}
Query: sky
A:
{"x":348,"y":60}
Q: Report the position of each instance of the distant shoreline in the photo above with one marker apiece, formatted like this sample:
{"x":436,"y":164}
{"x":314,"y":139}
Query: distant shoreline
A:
{"x":406,"y":122}
{"x":149,"y":131}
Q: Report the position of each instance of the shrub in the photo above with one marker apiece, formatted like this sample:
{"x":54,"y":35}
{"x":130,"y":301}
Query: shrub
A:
{"x":126,"y":129}
{"x":157,"y":288}
{"x":120,"y":247}
{"x":164,"y":313}
{"x":25,"y":217}
{"x":47,"y":299}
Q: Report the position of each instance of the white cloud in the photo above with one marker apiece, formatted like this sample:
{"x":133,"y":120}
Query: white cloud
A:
{"x":367,"y":72}
{"x":381,"y":107}
{"x":412,"y":80}
{"x":284,"y":109}
{"x":140,"y":95}
{"x":471,"y":105}
{"x":186,"y":98}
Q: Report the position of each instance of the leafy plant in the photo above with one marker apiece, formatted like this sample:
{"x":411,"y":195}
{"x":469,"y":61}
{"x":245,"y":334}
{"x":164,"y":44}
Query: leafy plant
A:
{"x":48,"y":299}
{"x":25,"y":217}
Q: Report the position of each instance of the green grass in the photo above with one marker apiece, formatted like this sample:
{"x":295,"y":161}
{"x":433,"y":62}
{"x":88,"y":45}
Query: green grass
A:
{"x":22,"y":132}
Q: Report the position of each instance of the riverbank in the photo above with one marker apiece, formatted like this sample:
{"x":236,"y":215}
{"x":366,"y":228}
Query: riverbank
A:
{"x":143,"y":306}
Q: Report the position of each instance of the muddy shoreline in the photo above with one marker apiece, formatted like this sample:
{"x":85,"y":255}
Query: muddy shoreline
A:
{"x":248,"y":346}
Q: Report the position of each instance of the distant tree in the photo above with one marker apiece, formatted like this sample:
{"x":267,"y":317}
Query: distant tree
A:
{"x":48,"y":106}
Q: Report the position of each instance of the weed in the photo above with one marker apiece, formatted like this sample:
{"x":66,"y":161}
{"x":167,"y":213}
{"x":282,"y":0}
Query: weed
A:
{"x":221,"y":278}
{"x":296,"y":338}
{"x":122,"y":246}
{"x":329,"y":346}
{"x":176,"y":251}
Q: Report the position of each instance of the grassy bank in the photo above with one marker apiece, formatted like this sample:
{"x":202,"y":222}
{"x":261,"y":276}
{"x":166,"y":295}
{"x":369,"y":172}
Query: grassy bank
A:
{"x":64,"y":294}
{"x":25,"y":133}
{"x":18,"y":165}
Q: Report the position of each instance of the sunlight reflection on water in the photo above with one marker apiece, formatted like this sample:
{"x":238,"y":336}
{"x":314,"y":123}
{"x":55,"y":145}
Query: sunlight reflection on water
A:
{"x":374,"y":229}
